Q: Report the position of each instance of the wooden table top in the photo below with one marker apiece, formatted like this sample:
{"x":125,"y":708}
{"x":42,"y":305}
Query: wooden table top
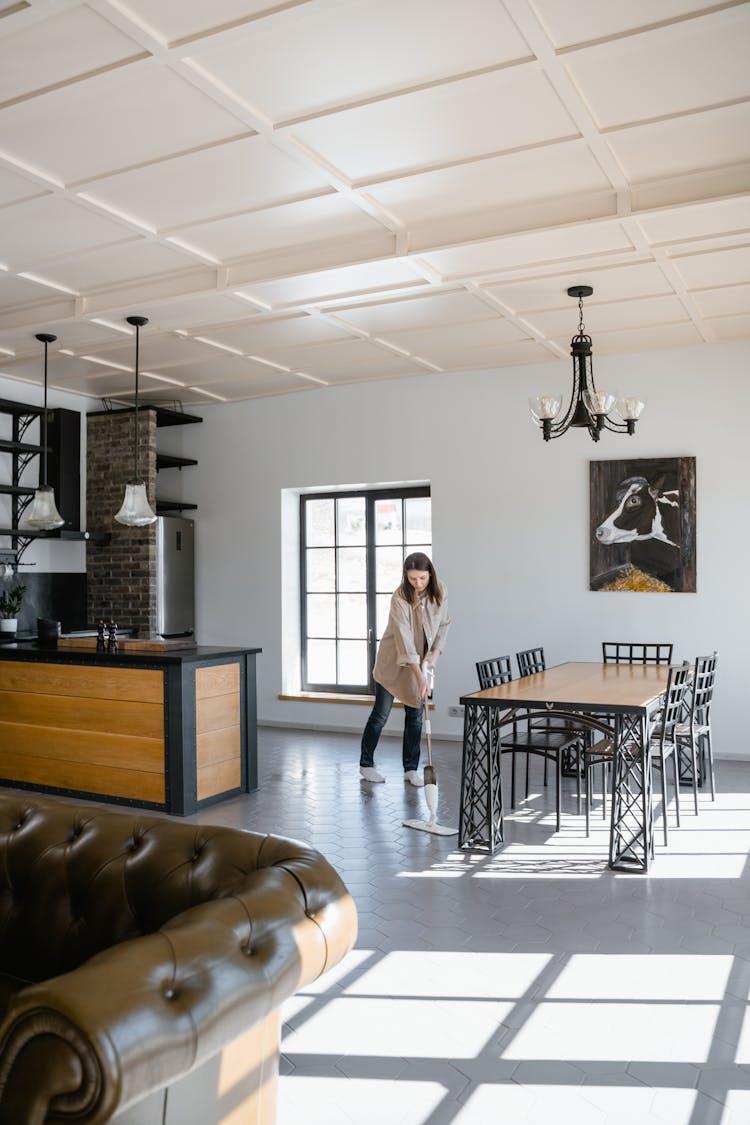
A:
{"x":577,"y":686}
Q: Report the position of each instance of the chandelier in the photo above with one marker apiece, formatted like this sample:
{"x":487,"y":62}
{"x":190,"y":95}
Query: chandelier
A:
{"x":588,"y":408}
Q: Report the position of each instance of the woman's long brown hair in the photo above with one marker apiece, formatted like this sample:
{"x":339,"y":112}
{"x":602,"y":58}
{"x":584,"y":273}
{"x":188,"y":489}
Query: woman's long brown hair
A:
{"x":420,"y":561}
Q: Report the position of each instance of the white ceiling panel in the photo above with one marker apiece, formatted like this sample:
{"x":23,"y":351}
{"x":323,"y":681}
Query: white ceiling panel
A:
{"x":567,"y":24}
{"x":683,"y":145}
{"x":699,"y":221}
{"x":645,"y":339}
{"x":44,"y":228}
{"x":59,"y":49}
{"x":204,"y":310}
{"x":605,"y":317}
{"x":178,"y":19}
{"x":310,"y":220}
{"x":520,"y":351}
{"x":645,"y":76}
{"x":613,"y":283}
{"x":320,"y":183}
{"x":351,"y":358}
{"x":543,"y":173}
{"x":98,"y":268}
{"x":728,"y":267}
{"x":432,"y":310}
{"x":329,"y":285}
{"x":115,"y":120}
{"x":81,"y":335}
{"x":551,"y":247}
{"x":287,"y":68}
{"x":289,"y":331}
{"x":222,"y":179}
{"x":213,"y":365}
{"x":18,"y":291}
{"x":730,"y":327}
{"x":14,"y":187}
{"x":60,"y":368}
{"x":158,"y":351}
{"x":441,"y":124}
{"x":258,"y":384}
{"x":723,"y":302}
{"x":456,"y":337}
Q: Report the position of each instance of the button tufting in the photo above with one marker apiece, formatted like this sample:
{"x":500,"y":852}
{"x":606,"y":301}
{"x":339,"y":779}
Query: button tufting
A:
{"x":169,"y":994}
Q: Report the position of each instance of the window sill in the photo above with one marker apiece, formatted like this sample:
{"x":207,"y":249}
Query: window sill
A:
{"x":330,"y":697}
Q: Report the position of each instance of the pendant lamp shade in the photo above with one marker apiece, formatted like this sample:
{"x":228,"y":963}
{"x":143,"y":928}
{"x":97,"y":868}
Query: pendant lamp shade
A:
{"x":136,"y":510}
{"x":42,"y":513}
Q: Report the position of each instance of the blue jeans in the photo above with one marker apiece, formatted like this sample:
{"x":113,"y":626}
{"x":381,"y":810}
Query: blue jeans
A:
{"x":376,"y":722}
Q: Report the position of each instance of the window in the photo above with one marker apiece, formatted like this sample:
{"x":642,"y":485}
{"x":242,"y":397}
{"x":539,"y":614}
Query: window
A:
{"x":353,"y":545}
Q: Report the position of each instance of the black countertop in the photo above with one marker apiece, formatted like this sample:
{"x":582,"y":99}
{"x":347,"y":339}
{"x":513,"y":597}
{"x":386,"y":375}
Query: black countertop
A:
{"x":33,"y":651}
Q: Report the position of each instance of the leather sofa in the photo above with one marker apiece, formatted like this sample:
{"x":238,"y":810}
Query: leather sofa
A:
{"x":143,"y":961}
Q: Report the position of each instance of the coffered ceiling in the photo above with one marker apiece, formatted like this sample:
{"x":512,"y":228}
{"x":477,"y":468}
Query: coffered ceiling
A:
{"x":307,"y":193}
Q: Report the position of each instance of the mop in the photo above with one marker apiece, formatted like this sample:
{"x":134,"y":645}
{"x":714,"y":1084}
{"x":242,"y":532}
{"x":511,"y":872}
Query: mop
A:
{"x":430,"y":789}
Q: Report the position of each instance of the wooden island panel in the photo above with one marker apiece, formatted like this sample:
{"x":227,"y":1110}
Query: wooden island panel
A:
{"x":172,"y":730}
{"x":217,"y":729}
{"x":84,"y":729}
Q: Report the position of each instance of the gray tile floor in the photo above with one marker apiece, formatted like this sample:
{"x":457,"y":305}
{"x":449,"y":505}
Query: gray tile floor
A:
{"x":534,"y":986}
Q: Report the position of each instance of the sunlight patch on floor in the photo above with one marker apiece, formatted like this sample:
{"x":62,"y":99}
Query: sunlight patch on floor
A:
{"x":604,"y":1031}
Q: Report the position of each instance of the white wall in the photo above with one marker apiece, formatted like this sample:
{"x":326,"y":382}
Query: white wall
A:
{"x":510,"y":514}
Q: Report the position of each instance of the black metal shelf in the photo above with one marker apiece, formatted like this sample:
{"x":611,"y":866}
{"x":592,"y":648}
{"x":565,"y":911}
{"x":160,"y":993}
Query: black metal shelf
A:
{"x":58,"y":533}
{"x":165,"y":415}
{"x":19,"y":447}
{"x":163,"y":506}
{"x":169,"y":461}
{"x":16,"y":490}
{"x":20,"y":409}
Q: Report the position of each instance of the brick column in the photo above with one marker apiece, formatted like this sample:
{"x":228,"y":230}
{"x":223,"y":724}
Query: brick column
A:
{"x":122,"y":573}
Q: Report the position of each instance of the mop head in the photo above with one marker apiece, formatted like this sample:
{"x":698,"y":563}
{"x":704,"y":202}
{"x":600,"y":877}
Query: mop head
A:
{"x":431,"y":825}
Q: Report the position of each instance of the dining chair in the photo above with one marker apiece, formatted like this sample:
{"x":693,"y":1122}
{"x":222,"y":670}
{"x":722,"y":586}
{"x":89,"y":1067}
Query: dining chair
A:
{"x":531,"y":661}
{"x":694,"y":734}
{"x":663,"y":736}
{"x":526,"y":737}
{"x":494,"y":671}
{"x":625,"y":652}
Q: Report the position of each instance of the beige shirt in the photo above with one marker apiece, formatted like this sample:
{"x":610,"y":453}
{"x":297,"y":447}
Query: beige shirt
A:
{"x":413,"y":633}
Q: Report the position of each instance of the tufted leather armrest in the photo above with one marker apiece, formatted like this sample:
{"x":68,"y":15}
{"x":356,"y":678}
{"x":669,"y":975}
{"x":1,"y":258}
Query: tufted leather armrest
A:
{"x":250,"y":919}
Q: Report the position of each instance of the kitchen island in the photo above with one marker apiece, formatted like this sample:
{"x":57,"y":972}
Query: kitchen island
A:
{"x":173,"y":730}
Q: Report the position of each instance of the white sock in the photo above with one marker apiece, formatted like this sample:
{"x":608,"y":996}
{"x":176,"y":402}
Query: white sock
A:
{"x":413,"y":778}
{"x":369,"y":773}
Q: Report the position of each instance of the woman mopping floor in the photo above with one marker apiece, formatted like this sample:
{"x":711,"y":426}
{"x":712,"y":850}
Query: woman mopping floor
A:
{"x":409,"y":648}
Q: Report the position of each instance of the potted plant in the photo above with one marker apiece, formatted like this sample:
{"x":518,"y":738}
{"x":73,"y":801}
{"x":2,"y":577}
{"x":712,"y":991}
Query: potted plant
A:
{"x":10,"y":607}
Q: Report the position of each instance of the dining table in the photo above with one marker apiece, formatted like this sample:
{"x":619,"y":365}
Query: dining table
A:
{"x":616,"y":701}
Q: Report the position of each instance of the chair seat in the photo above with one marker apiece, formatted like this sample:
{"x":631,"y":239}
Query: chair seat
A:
{"x":682,"y":730}
{"x":538,"y":739}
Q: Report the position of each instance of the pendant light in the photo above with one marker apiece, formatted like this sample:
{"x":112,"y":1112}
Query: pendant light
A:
{"x":42,"y":513}
{"x":136,"y":510}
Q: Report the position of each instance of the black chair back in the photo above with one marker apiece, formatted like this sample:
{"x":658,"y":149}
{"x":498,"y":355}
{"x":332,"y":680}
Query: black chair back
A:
{"x":617,"y":652}
{"x":674,"y":699}
{"x":704,"y":676}
{"x":494,"y":672}
{"x":531,"y":660}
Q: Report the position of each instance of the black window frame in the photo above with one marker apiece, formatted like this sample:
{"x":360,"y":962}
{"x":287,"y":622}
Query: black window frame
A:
{"x":370,"y":496}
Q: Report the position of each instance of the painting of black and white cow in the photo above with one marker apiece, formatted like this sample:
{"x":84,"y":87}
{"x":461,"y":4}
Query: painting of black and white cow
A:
{"x":643,"y":524}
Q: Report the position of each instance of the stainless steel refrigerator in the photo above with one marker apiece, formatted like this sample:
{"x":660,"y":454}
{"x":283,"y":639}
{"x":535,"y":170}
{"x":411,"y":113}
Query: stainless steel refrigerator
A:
{"x":175,"y":576}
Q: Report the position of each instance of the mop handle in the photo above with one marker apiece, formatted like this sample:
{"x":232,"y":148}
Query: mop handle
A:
{"x":427,"y":727}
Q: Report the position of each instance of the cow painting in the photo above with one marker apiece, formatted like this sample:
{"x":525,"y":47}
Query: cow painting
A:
{"x":643,"y":525}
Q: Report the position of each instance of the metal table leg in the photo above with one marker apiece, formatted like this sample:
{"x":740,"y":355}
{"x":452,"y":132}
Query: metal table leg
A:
{"x":481,"y":816}
{"x":631,"y":841}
